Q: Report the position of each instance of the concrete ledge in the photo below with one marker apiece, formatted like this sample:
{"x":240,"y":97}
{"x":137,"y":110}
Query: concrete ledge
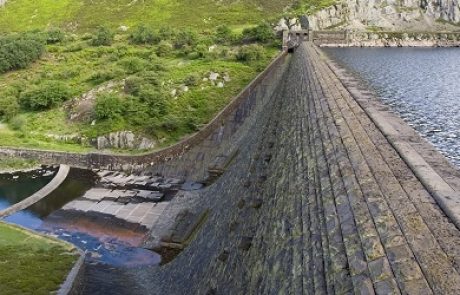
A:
{"x":71,"y":282}
{"x":45,"y":191}
{"x":447,"y":197}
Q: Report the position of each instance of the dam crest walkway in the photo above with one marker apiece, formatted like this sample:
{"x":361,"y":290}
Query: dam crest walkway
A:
{"x":317,"y":201}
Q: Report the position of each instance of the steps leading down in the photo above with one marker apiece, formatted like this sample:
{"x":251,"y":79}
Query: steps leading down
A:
{"x":317,"y":201}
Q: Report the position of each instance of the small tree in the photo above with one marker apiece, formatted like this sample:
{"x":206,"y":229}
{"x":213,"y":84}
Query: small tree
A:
{"x":102,"y":37}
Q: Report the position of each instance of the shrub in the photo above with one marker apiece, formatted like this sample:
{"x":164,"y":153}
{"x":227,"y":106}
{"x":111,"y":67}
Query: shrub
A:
{"x":17,"y":123}
{"x":166,"y":33}
{"x":143,"y":35}
{"x":108,"y":106}
{"x":262,"y":33}
{"x":156,"y":100}
{"x":133,"y":85}
{"x":100,"y":77}
{"x":102,"y":37}
{"x":54,"y":36}
{"x":250,"y":52}
{"x":187,"y":37}
{"x":9,"y":107}
{"x":164,"y":48}
{"x":192,"y":80}
{"x":45,"y":96}
{"x":132,"y":64}
{"x":223,"y":34}
{"x":151,"y":78}
{"x":19,"y":51}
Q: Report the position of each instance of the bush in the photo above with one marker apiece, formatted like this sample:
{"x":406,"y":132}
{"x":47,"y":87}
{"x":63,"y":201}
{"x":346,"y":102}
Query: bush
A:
{"x":192,"y":80}
{"x":151,"y":78}
{"x":164,"y":48}
{"x":17,"y":123}
{"x":102,"y":37}
{"x":19,"y":51}
{"x":156,"y":101}
{"x":9,"y":107}
{"x":250,"y":53}
{"x":262,"y":33}
{"x":132,"y":64}
{"x":54,"y":36}
{"x":133,"y":85}
{"x":166,"y":33}
{"x":100,"y":77}
{"x":45,"y":96}
{"x":143,"y":35}
{"x":184,"y":38}
{"x":223,"y":34}
{"x":108,"y":106}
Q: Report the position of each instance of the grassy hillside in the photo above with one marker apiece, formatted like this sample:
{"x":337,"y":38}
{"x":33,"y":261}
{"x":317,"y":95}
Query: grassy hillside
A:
{"x":81,"y":15}
{"x":32,"y":264}
{"x":159,"y":89}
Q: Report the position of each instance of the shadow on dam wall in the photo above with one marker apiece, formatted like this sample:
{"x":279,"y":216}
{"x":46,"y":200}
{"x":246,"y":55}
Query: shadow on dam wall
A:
{"x":312,"y":198}
{"x":239,"y":131}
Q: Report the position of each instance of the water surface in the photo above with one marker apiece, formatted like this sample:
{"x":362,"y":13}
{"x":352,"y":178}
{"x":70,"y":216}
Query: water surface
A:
{"x":422,"y":85}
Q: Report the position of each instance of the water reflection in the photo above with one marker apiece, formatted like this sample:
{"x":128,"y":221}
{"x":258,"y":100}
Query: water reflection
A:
{"x":420,"y":84}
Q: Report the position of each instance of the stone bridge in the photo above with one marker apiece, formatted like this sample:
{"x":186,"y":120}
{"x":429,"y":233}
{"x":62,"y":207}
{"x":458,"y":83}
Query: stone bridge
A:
{"x":325,"y":193}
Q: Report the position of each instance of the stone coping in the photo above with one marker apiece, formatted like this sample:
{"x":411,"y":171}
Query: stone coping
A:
{"x":406,"y":141}
{"x":42,"y":193}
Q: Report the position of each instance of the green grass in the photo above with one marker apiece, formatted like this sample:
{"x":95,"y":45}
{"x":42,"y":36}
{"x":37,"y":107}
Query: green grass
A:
{"x":83,"y":15}
{"x":75,"y":63}
{"x":12,"y":164}
{"x":32,"y":264}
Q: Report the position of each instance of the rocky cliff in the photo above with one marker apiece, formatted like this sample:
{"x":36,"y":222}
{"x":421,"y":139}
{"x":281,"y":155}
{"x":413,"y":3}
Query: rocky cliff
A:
{"x":389,"y":14}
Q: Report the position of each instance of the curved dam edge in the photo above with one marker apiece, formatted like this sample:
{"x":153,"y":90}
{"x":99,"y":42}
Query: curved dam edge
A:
{"x":42,"y":193}
{"x":435,"y":172}
{"x":143,"y":161}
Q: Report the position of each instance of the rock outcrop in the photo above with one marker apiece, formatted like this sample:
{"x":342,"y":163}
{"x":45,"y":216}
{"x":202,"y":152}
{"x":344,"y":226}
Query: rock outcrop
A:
{"x":124,"y":140}
{"x":389,"y":14}
{"x":2,"y":2}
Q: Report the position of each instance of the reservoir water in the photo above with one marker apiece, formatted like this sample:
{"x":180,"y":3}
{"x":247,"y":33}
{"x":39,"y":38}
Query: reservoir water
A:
{"x":422,"y":85}
{"x":106,"y":241}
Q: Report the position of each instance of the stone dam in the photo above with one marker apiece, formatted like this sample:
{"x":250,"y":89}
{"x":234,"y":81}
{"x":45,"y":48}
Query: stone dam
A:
{"x":311,"y":186}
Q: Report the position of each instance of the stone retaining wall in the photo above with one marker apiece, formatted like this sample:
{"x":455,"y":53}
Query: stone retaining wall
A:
{"x":140,"y":162}
{"x":385,"y":39}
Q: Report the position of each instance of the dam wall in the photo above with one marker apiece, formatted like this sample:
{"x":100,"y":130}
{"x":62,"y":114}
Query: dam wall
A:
{"x":316,"y":201}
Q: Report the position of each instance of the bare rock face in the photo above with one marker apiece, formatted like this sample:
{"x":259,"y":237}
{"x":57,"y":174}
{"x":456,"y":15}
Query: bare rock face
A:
{"x":124,"y":140}
{"x":387,"y":14}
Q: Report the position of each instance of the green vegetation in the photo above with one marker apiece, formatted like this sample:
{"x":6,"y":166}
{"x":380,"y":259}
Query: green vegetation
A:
{"x":84,"y":15}
{"x":32,"y":264}
{"x":89,"y":85}
{"x":19,"y":51}
{"x":12,"y":164}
